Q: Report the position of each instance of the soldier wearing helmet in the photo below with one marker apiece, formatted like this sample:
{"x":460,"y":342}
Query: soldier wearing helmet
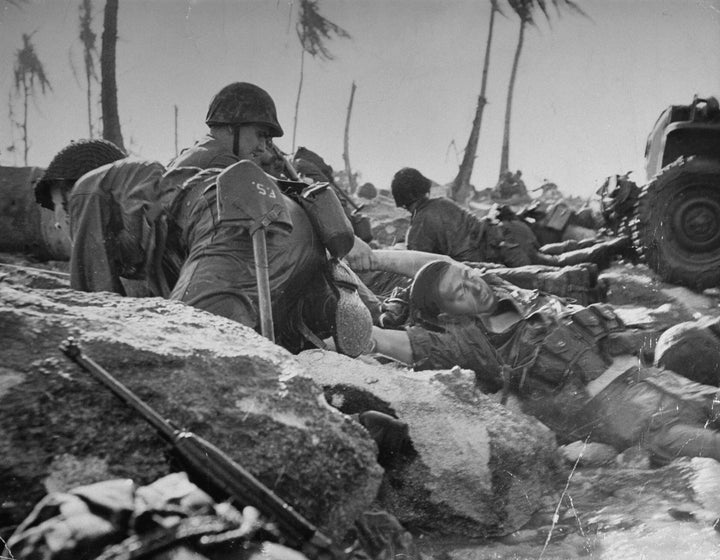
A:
{"x":69,"y":164}
{"x":439,"y":225}
{"x":112,"y":209}
{"x":218,"y":275}
{"x":242,"y":119}
{"x":692,"y":347}
{"x":578,"y":369}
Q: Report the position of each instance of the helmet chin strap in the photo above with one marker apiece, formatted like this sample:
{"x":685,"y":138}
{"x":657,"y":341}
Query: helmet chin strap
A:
{"x":236,"y":140}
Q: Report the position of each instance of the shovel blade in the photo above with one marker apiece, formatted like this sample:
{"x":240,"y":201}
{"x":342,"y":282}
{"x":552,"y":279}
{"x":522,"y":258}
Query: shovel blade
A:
{"x":248,"y":196}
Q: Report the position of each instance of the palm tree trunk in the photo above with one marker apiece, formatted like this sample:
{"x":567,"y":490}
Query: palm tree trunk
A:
{"x":176,"y":131}
{"x":88,"y":40}
{"x":111,"y":120}
{"x":505,"y":155}
{"x":346,"y":144}
{"x":26,"y":96}
{"x":89,"y":103}
{"x":460,"y":187}
{"x":297,"y":101}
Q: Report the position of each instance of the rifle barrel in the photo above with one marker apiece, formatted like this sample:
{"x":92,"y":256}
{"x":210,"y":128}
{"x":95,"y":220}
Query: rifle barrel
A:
{"x":72,"y":350}
{"x":235,"y":480}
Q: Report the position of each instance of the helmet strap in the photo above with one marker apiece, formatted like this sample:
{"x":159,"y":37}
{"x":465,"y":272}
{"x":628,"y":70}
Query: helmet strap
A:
{"x":236,"y":140}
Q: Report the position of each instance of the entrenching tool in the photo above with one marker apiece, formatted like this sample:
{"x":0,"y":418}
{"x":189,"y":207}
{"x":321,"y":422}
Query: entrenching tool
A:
{"x":248,"y":197}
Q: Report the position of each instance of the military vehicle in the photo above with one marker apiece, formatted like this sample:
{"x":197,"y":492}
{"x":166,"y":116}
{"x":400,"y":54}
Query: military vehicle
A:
{"x":674,"y":219}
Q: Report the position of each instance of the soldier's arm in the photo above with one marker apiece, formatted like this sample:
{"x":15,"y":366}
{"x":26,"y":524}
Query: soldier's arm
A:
{"x":406,"y":262}
{"x":393,"y":344}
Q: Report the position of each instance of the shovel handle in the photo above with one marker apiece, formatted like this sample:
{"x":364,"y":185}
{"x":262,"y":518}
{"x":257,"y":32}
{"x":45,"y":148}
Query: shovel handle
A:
{"x":263,"y":283}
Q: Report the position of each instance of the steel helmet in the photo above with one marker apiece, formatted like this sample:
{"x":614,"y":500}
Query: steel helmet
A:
{"x":72,"y":162}
{"x":409,"y":185}
{"x":692,"y":349}
{"x":243,"y":103}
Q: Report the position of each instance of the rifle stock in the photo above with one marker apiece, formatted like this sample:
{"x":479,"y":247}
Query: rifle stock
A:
{"x":216,"y":468}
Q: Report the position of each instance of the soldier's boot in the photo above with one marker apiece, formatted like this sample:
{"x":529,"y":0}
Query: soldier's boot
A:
{"x":353,"y":321}
{"x":560,"y":247}
{"x":600,"y":254}
{"x":390,"y":434}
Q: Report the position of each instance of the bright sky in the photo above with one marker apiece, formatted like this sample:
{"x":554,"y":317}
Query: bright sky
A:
{"x":587,"y":94}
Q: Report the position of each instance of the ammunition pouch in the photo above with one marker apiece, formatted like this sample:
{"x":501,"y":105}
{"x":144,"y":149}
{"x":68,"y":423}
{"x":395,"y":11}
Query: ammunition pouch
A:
{"x":598,"y":320}
{"x":566,"y":351}
{"x":574,"y":346}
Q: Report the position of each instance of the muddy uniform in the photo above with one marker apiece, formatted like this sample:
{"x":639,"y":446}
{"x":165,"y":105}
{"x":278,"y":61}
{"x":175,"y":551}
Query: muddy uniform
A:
{"x":219,"y":272}
{"x":119,"y":229}
{"x":555,"y":353}
{"x":438,"y":225}
{"x":141,"y":231}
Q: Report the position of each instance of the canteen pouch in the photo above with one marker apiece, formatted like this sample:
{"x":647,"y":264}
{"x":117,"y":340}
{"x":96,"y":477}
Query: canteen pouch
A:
{"x":326,"y":214}
{"x":361,"y":226}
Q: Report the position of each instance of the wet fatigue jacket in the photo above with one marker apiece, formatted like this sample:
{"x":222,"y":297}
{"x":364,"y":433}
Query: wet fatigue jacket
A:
{"x":118,"y":226}
{"x":220,"y":275}
{"x":439,"y":225}
{"x":205,"y":153}
{"x":550,"y":357}
{"x":219,"y":272}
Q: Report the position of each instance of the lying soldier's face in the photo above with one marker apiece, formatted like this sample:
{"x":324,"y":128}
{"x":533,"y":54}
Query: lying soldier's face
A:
{"x":464,"y":292}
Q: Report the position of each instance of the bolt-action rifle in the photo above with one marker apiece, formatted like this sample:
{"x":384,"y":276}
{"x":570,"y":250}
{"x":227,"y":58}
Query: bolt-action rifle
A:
{"x":213,"y":466}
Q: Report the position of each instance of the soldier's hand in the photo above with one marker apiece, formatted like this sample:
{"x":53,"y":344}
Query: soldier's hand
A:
{"x":361,"y":257}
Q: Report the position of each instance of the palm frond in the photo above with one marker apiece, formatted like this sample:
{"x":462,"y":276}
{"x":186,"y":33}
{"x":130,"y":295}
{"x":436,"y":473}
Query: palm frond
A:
{"x":88,"y":38}
{"x":313,"y":30}
{"x":526,"y":10}
{"x":28,"y":65}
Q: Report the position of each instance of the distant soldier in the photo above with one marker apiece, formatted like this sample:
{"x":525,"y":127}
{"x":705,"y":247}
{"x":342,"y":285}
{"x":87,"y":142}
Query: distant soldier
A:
{"x":439,"y":225}
{"x":510,"y":185}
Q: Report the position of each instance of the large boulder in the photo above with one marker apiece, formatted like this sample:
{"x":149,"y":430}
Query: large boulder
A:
{"x":477,"y":469}
{"x":60,"y":428}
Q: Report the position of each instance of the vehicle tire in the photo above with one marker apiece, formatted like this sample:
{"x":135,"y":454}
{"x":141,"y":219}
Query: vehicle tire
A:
{"x":677,"y":224}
